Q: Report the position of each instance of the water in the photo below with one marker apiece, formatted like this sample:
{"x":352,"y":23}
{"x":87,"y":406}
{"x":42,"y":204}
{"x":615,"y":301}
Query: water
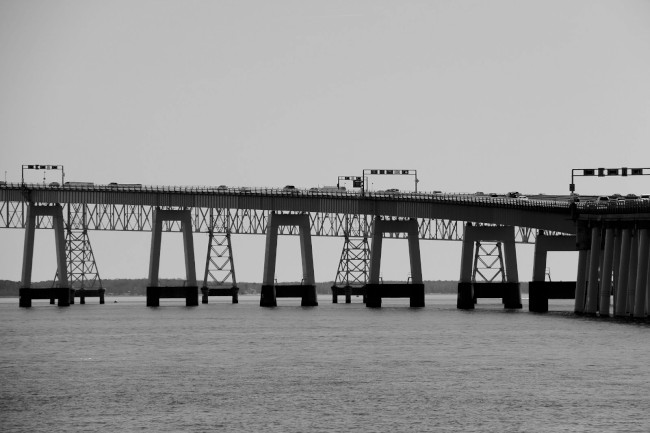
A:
{"x":332,"y":368}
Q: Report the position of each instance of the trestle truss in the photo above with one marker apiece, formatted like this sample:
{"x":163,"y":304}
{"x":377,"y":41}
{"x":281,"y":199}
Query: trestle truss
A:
{"x":488,"y":263}
{"x":82,"y":268}
{"x":111,"y":217}
{"x":354,"y":263}
{"x":219,"y":264}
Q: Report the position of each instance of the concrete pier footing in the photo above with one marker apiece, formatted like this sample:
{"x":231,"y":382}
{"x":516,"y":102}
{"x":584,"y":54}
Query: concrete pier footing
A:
{"x":539,"y":293}
{"x":270,"y":293}
{"x":219,"y":291}
{"x":62,"y":295}
{"x":468,"y":293}
{"x":376,"y":292}
{"x":348,"y":292}
{"x":82,"y":294}
{"x":189,"y":293}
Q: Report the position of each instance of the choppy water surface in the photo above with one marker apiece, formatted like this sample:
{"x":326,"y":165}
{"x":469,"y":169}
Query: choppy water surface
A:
{"x":336,"y":367}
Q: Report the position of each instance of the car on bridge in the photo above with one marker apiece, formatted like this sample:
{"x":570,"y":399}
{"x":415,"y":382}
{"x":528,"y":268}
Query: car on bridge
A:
{"x":291,"y":189}
{"x":75,"y":184}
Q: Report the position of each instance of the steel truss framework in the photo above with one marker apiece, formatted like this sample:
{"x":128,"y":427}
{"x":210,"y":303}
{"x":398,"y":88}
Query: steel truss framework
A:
{"x":354,"y":263}
{"x":488,"y":262}
{"x":219,"y":264}
{"x":82,"y":268}
{"x":111,"y":217}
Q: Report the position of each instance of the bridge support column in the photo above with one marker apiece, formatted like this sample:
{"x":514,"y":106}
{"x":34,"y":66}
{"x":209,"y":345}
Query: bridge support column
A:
{"x":623,"y":273}
{"x":376,"y":291}
{"x":642,"y":275}
{"x":583,"y":240}
{"x":539,"y":290}
{"x":632,"y":273}
{"x":606,"y":273}
{"x":62,"y":292}
{"x":592,"y":282}
{"x":272,"y":291}
{"x":616,"y":265}
{"x":190,"y":290}
{"x":508,"y":290}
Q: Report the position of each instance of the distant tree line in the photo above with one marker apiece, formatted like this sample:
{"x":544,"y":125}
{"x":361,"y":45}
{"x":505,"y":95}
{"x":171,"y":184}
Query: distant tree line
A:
{"x":138,"y":287}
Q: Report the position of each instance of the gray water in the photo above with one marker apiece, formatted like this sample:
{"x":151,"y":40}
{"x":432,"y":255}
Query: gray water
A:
{"x":332,"y":368}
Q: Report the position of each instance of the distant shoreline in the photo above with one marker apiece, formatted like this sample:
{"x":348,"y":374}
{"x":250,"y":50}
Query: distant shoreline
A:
{"x":138,"y":287}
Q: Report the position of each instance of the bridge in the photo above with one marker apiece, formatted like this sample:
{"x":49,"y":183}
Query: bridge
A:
{"x":611,"y":238}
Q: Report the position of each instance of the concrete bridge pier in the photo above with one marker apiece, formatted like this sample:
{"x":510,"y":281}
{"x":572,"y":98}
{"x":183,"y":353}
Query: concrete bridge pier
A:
{"x":583,"y":243}
{"x":539,"y":290}
{"x":272,"y":291}
{"x":640,"y":295}
{"x":190,"y":290}
{"x":623,"y":265}
{"x":63,"y":292}
{"x":591,"y":305}
{"x":616,"y":266}
{"x":374,"y":291}
{"x":469,"y":290}
{"x":606,"y":273}
{"x":632,"y":273}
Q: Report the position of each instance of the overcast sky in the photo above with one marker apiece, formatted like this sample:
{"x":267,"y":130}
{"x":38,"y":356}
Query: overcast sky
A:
{"x":475,"y":95}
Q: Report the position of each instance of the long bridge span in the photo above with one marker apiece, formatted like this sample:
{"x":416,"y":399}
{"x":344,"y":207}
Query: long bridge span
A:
{"x":487,"y":225}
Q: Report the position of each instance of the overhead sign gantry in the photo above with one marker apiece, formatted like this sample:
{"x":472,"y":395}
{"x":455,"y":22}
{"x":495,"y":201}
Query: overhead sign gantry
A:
{"x":604,"y":172}
{"x":44,"y":167}
{"x":379,"y":172}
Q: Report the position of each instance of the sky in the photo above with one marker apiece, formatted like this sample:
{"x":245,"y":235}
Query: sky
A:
{"x":490,"y":96}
